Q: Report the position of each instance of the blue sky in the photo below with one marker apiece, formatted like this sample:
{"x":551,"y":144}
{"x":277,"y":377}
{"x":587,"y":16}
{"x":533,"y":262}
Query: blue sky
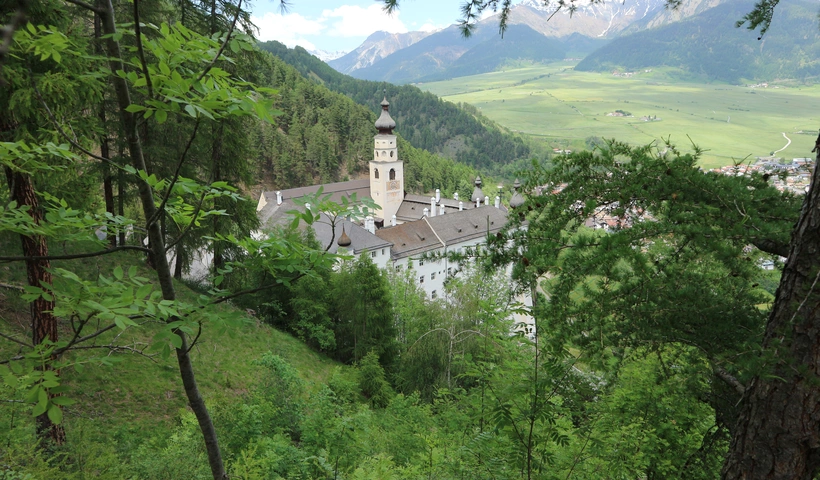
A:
{"x":344,"y":24}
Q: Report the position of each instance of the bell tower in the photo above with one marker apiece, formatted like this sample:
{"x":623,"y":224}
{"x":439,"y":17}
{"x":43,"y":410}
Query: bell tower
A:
{"x":386,"y":170}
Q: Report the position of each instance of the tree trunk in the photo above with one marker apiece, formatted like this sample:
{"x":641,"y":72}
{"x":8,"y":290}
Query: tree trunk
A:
{"x":157,"y":243}
{"x":105,"y":151}
{"x":778,"y":431}
{"x":43,"y":322}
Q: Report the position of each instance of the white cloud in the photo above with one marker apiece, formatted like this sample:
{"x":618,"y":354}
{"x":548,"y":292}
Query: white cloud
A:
{"x":289,"y":28}
{"x":356,"y":21}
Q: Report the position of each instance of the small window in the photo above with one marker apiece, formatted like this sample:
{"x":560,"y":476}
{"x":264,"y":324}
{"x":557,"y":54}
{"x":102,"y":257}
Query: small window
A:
{"x":421,"y":279}
{"x":391,"y":153}
{"x":392,"y":174}
{"x":449,"y":271}
{"x":421,"y":262}
{"x":373,"y":254}
{"x":398,"y":268}
{"x":376,"y":172}
{"x":433,"y":276}
{"x":382,"y":251}
{"x":434,"y":295}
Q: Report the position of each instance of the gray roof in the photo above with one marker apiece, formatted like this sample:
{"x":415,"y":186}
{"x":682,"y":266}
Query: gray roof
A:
{"x":469,"y":224}
{"x":412,"y":238}
{"x":420,"y":236}
{"x":413,"y":207}
{"x":360,"y":239}
{"x":361,"y":187}
{"x":336,"y":190}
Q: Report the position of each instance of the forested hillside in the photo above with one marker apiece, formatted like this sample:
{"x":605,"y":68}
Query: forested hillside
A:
{"x":422,"y":118}
{"x":323,"y":136}
{"x":709,"y":46}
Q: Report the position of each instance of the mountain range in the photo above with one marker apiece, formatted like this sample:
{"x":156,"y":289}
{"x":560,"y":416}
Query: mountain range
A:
{"x":709,"y":46}
{"x":698,"y":37}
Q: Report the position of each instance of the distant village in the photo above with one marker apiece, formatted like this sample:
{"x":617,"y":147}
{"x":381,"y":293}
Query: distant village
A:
{"x":792,"y":176}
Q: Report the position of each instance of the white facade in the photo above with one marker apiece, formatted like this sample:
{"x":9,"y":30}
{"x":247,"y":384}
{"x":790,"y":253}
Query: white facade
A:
{"x":386,"y":176}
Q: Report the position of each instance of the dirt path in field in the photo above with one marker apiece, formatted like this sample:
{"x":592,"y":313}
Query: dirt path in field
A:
{"x":788,"y":142}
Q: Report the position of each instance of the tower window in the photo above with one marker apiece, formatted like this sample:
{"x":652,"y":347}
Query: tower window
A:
{"x":392,"y":174}
{"x":376,"y":172}
{"x":391,"y":153}
{"x":421,"y":279}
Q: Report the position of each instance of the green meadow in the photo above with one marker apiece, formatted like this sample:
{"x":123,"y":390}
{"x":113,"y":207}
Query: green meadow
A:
{"x":565,"y":107}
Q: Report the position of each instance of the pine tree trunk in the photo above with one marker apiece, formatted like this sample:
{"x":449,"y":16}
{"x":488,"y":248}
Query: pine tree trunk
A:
{"x":43,"y":322}
{"x":157,"y":243}
{"x":778,"y":431}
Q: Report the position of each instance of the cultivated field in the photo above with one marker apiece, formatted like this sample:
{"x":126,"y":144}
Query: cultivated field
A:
{"x":564,"y":106}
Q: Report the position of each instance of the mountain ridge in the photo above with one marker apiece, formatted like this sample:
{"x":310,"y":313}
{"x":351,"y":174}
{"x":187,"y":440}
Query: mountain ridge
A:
{"x":708,"y":45}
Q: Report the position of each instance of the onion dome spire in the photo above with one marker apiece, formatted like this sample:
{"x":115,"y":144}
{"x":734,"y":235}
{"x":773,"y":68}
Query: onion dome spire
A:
{"x":344,"y":240}
{"x":385,"y":124}
{"x":517,"y":199}
{"x":477,"y":195}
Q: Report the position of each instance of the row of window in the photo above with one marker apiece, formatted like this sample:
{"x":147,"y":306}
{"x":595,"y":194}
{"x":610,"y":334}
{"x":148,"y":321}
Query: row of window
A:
{"x":384,"y":153}
{"x":391,"y":174}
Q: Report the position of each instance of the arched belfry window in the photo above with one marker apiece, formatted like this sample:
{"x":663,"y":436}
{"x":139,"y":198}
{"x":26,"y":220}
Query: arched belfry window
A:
{"x":376,"y":171}
{"x":392,"y":174}
{"x":391,"y":153}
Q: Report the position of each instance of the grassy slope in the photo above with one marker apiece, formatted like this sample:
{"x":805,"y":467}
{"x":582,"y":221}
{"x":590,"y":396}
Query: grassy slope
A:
{"x":573,"y":105}
{"x":143,"y":394}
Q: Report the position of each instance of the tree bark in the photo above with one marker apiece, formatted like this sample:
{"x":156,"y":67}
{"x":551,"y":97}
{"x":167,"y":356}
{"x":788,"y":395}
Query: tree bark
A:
{"x":778,"y":430}
{"x":43,"y":322}
{"x":105,"y":151}
{"x":157,"y":243}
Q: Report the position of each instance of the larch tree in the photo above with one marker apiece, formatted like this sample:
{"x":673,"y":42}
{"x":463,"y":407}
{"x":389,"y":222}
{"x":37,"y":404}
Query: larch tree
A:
{"x":776,"y":434}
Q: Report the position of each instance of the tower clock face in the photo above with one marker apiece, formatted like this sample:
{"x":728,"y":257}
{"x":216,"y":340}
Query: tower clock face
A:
{"x":393,"y":185}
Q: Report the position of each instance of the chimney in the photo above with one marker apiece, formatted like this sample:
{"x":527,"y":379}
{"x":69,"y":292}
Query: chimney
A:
{"x":460,"y":206}
{"x":432,"y":206}
{"x":455,"y":196}
{"x":487,"y":200}
{"x":441,"y":209}
{"x":393,"y":221}
{"x":370,"y":225}
{"x":497,"y":201}
{"x":425,"y":212}
{"x":477,"y":202}
{"x":279,"y":197}
{"x":438,"y":195}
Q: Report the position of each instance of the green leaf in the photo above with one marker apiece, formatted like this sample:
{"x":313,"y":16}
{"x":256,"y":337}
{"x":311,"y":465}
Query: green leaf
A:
{"x":63,"y":401}
{"x":161,"y":116}
{"x":133,"y":108}
{"x":191,"y":110}
{"x":55,"y":414}
{"x":144,"y":291}
{"x":118,"y":272}
{"x":176,"y":340}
